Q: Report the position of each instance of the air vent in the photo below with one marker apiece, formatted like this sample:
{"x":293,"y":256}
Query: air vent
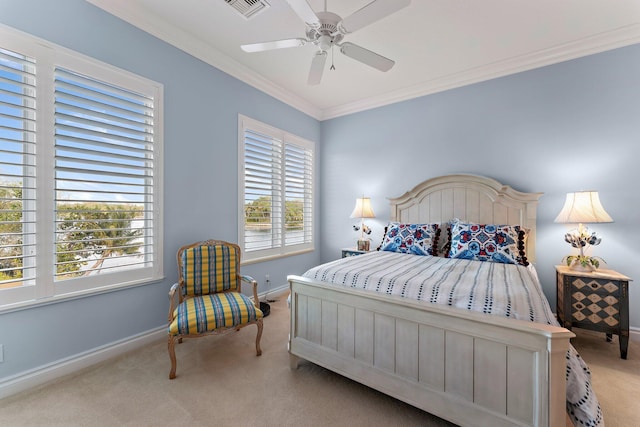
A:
{"x":248,"y":8}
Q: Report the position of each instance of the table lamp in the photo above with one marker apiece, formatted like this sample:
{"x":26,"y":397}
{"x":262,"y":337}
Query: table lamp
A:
{"x":582,"y":207}
{"x":362,"y":210}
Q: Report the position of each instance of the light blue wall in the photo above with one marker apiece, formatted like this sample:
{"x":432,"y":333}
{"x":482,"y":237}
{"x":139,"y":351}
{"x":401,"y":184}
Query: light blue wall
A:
{"x":562,"y":128}
{"x":201,"y":107}
{"x":557,"y":129}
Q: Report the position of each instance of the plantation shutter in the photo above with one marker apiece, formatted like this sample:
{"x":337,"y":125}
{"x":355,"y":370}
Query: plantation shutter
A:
{"x":80,"y":174}
{"x":262,"y":191}
{"x":299,"y":195}
{"x":276,"y":191}
{"x":17,"y":170}
{"x":104,"y":180}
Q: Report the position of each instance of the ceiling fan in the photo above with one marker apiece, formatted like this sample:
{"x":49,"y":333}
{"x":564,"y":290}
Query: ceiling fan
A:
{"x":327,"y":29}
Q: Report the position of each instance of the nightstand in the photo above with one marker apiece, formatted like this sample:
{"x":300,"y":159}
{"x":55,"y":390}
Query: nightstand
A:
{"x":346,"y":252}
{"x":598,"y":301}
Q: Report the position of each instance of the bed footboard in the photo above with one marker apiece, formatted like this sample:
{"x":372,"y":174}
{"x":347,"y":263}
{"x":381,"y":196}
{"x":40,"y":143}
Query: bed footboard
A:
{"x":466,"y":367}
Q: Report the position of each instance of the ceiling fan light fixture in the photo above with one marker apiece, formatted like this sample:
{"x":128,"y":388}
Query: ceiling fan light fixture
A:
{"x":324,"y":43}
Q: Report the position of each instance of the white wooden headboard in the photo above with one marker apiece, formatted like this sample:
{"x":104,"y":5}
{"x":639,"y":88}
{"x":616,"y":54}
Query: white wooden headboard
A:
{"x":471,"y":198}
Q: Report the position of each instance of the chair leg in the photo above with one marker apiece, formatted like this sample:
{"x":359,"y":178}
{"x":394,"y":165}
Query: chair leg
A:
{"x":172,"y":356}
{"x":258,"y":349}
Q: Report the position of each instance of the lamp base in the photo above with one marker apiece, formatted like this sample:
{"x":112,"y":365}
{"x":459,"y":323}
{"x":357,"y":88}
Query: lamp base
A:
{"x":576,"y":266}
{"x":363,"y":245}
{"x":582,"y":263}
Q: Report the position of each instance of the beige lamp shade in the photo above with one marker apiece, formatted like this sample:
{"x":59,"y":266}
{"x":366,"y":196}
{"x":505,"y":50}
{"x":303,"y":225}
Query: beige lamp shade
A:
{"x":583,"y":207}
{"x":363,"y":208}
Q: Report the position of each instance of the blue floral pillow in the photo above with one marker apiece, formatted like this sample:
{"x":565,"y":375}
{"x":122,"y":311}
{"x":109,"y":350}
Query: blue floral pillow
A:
{"x":417,"y":239}
{"x":488,"y":242}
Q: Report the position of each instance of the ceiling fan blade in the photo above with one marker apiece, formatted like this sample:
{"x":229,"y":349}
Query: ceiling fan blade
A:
{"x":304,"y":11}
{"x":365,"y":56}
{"x":317,"y":68}
{"x":370,"y":13}
{"x":277,"y":44}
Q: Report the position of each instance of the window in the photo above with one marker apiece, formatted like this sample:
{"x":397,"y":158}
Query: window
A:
{"x":80,"y":184}
{"x":276,"y":191}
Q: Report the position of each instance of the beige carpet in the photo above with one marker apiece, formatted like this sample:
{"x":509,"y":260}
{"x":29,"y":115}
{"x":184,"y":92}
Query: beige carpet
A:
{"x":220,"y":382}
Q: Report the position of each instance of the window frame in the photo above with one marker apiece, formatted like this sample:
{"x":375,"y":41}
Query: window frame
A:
{"x":46,"y":289}
{"x":282,"y":250}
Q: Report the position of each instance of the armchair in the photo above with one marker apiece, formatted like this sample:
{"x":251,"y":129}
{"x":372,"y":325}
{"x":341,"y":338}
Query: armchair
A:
{"x":210,"y":300}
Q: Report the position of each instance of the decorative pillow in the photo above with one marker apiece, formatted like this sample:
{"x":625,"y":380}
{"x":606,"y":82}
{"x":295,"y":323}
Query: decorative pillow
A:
{"x":417,"y":239}
{"x":488,"y":242}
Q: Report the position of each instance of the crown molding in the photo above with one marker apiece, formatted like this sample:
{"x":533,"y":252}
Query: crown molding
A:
{"x":620,"y":37}
{"x":204,"y":52}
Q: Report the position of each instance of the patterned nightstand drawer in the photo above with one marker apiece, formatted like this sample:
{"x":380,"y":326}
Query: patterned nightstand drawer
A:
{"x":597,"y":301}
{"x":595,"y":309}
{"x":595,"y":286}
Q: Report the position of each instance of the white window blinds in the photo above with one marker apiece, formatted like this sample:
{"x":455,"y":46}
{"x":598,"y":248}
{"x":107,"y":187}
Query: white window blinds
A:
{"x":262,"y":191}
{"x":103,"y":176}
{"x":80,"y":174}
{"x":276,"y":191}
{"x":17,"y":169}
{"x":298,"y":170}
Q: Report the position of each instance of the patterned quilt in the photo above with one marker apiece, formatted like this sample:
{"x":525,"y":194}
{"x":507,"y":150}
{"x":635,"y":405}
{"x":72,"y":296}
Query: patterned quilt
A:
{"x":500,"y":289}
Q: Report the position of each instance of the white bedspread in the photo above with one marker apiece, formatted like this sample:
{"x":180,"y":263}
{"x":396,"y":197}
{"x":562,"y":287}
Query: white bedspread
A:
{"x":500,"y":289}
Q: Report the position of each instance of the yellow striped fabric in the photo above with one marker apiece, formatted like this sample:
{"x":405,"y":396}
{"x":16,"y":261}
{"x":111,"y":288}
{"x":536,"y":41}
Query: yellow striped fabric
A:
{"x":208,"y":269}
{"x":210,"y":312}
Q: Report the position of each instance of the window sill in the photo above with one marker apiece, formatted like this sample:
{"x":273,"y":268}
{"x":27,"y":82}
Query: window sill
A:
{"x":274,"y":257}
{"x":36,"y":303}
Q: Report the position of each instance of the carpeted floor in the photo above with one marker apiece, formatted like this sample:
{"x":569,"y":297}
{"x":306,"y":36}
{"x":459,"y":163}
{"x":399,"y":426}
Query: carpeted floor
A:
{"x":615,"y":381}
{"x":220,"y":382}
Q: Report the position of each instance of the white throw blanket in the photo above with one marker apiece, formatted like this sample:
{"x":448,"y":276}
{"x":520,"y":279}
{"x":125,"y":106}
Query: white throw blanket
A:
{"x":500,"y":289}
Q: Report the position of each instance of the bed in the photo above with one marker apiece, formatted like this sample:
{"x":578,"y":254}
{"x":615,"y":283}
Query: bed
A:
{"x":453,"y":348}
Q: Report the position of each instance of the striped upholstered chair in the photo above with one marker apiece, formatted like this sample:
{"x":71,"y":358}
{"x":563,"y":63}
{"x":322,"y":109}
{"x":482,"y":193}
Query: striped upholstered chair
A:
{"x":209,"y":297}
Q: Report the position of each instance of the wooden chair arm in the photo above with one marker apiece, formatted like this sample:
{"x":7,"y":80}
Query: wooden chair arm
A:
{"x":251,"y":280}
{"x":172,"y":292}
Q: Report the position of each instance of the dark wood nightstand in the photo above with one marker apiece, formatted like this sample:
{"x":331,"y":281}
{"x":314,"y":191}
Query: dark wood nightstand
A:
{"x":346,"y":252}
{"x":598,"y":301}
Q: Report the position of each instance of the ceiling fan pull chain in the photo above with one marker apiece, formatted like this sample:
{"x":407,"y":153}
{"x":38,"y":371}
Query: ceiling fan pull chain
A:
{"x":332,"y":68}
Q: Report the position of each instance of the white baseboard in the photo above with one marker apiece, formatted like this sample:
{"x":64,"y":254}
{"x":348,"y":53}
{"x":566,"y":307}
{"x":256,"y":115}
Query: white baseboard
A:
{"x":46,"y":373}
{"x":52,"y":371}
{"x":276,"y":292}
